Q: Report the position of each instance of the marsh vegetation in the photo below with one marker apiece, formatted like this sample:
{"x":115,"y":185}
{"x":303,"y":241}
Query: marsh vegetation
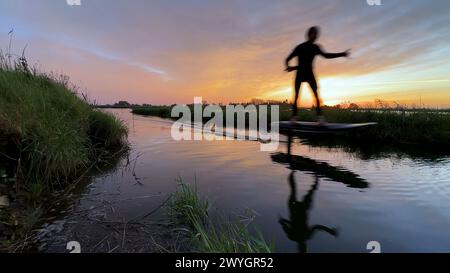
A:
{"x":50,"y":137}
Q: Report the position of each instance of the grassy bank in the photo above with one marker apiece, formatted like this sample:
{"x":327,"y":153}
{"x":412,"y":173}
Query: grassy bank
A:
{"x":406,"y":126}
{"x":208,"y":236}
{"x":49,"y":137}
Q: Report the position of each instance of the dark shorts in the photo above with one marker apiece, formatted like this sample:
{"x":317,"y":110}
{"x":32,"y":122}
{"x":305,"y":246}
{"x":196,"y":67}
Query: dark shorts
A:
{"x":306,"y":77}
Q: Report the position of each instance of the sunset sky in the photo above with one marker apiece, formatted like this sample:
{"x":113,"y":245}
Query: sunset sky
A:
{"x":169,"y":51}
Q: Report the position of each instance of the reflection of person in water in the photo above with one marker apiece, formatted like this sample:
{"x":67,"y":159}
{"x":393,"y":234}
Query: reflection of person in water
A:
{"x":297,"y":227}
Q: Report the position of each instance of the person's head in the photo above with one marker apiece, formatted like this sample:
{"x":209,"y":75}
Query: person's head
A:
{"x":313,"y":34}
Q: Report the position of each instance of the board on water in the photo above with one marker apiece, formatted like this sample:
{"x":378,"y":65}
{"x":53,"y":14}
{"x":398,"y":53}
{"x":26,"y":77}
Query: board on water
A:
{"x":315,"y":127}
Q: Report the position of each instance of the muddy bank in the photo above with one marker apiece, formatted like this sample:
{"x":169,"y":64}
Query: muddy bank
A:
{"x":99,"y":230}
{"x":98,"y":217}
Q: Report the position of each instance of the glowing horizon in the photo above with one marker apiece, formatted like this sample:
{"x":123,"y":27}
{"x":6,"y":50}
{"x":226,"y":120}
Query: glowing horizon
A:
{"x":165,"y":52}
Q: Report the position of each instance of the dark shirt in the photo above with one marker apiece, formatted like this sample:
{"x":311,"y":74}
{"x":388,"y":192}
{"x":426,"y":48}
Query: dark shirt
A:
{"x":306,"y":52}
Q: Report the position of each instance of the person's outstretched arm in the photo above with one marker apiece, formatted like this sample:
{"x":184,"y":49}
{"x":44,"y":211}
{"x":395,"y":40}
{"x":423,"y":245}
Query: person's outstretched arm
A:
{"x":333,"y":55}
{"x":331,"y":231}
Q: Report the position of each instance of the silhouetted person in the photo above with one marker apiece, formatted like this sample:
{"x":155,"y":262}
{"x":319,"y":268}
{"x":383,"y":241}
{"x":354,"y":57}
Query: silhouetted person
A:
{"x":297,"y":227}
{"x":305,"y":53}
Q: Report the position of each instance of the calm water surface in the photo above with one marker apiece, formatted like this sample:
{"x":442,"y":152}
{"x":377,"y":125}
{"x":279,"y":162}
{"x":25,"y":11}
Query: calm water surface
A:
{"x":319,"y":199}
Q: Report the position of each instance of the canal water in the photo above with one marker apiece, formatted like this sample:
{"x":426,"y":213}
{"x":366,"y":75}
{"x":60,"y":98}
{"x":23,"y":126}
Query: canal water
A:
{"x":316,"y":196}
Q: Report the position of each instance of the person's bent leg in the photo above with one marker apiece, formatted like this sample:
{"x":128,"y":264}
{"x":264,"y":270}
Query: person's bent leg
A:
{"x":320,"y":118}
{"x":315,"y":90}
{"x":297,"y":86}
